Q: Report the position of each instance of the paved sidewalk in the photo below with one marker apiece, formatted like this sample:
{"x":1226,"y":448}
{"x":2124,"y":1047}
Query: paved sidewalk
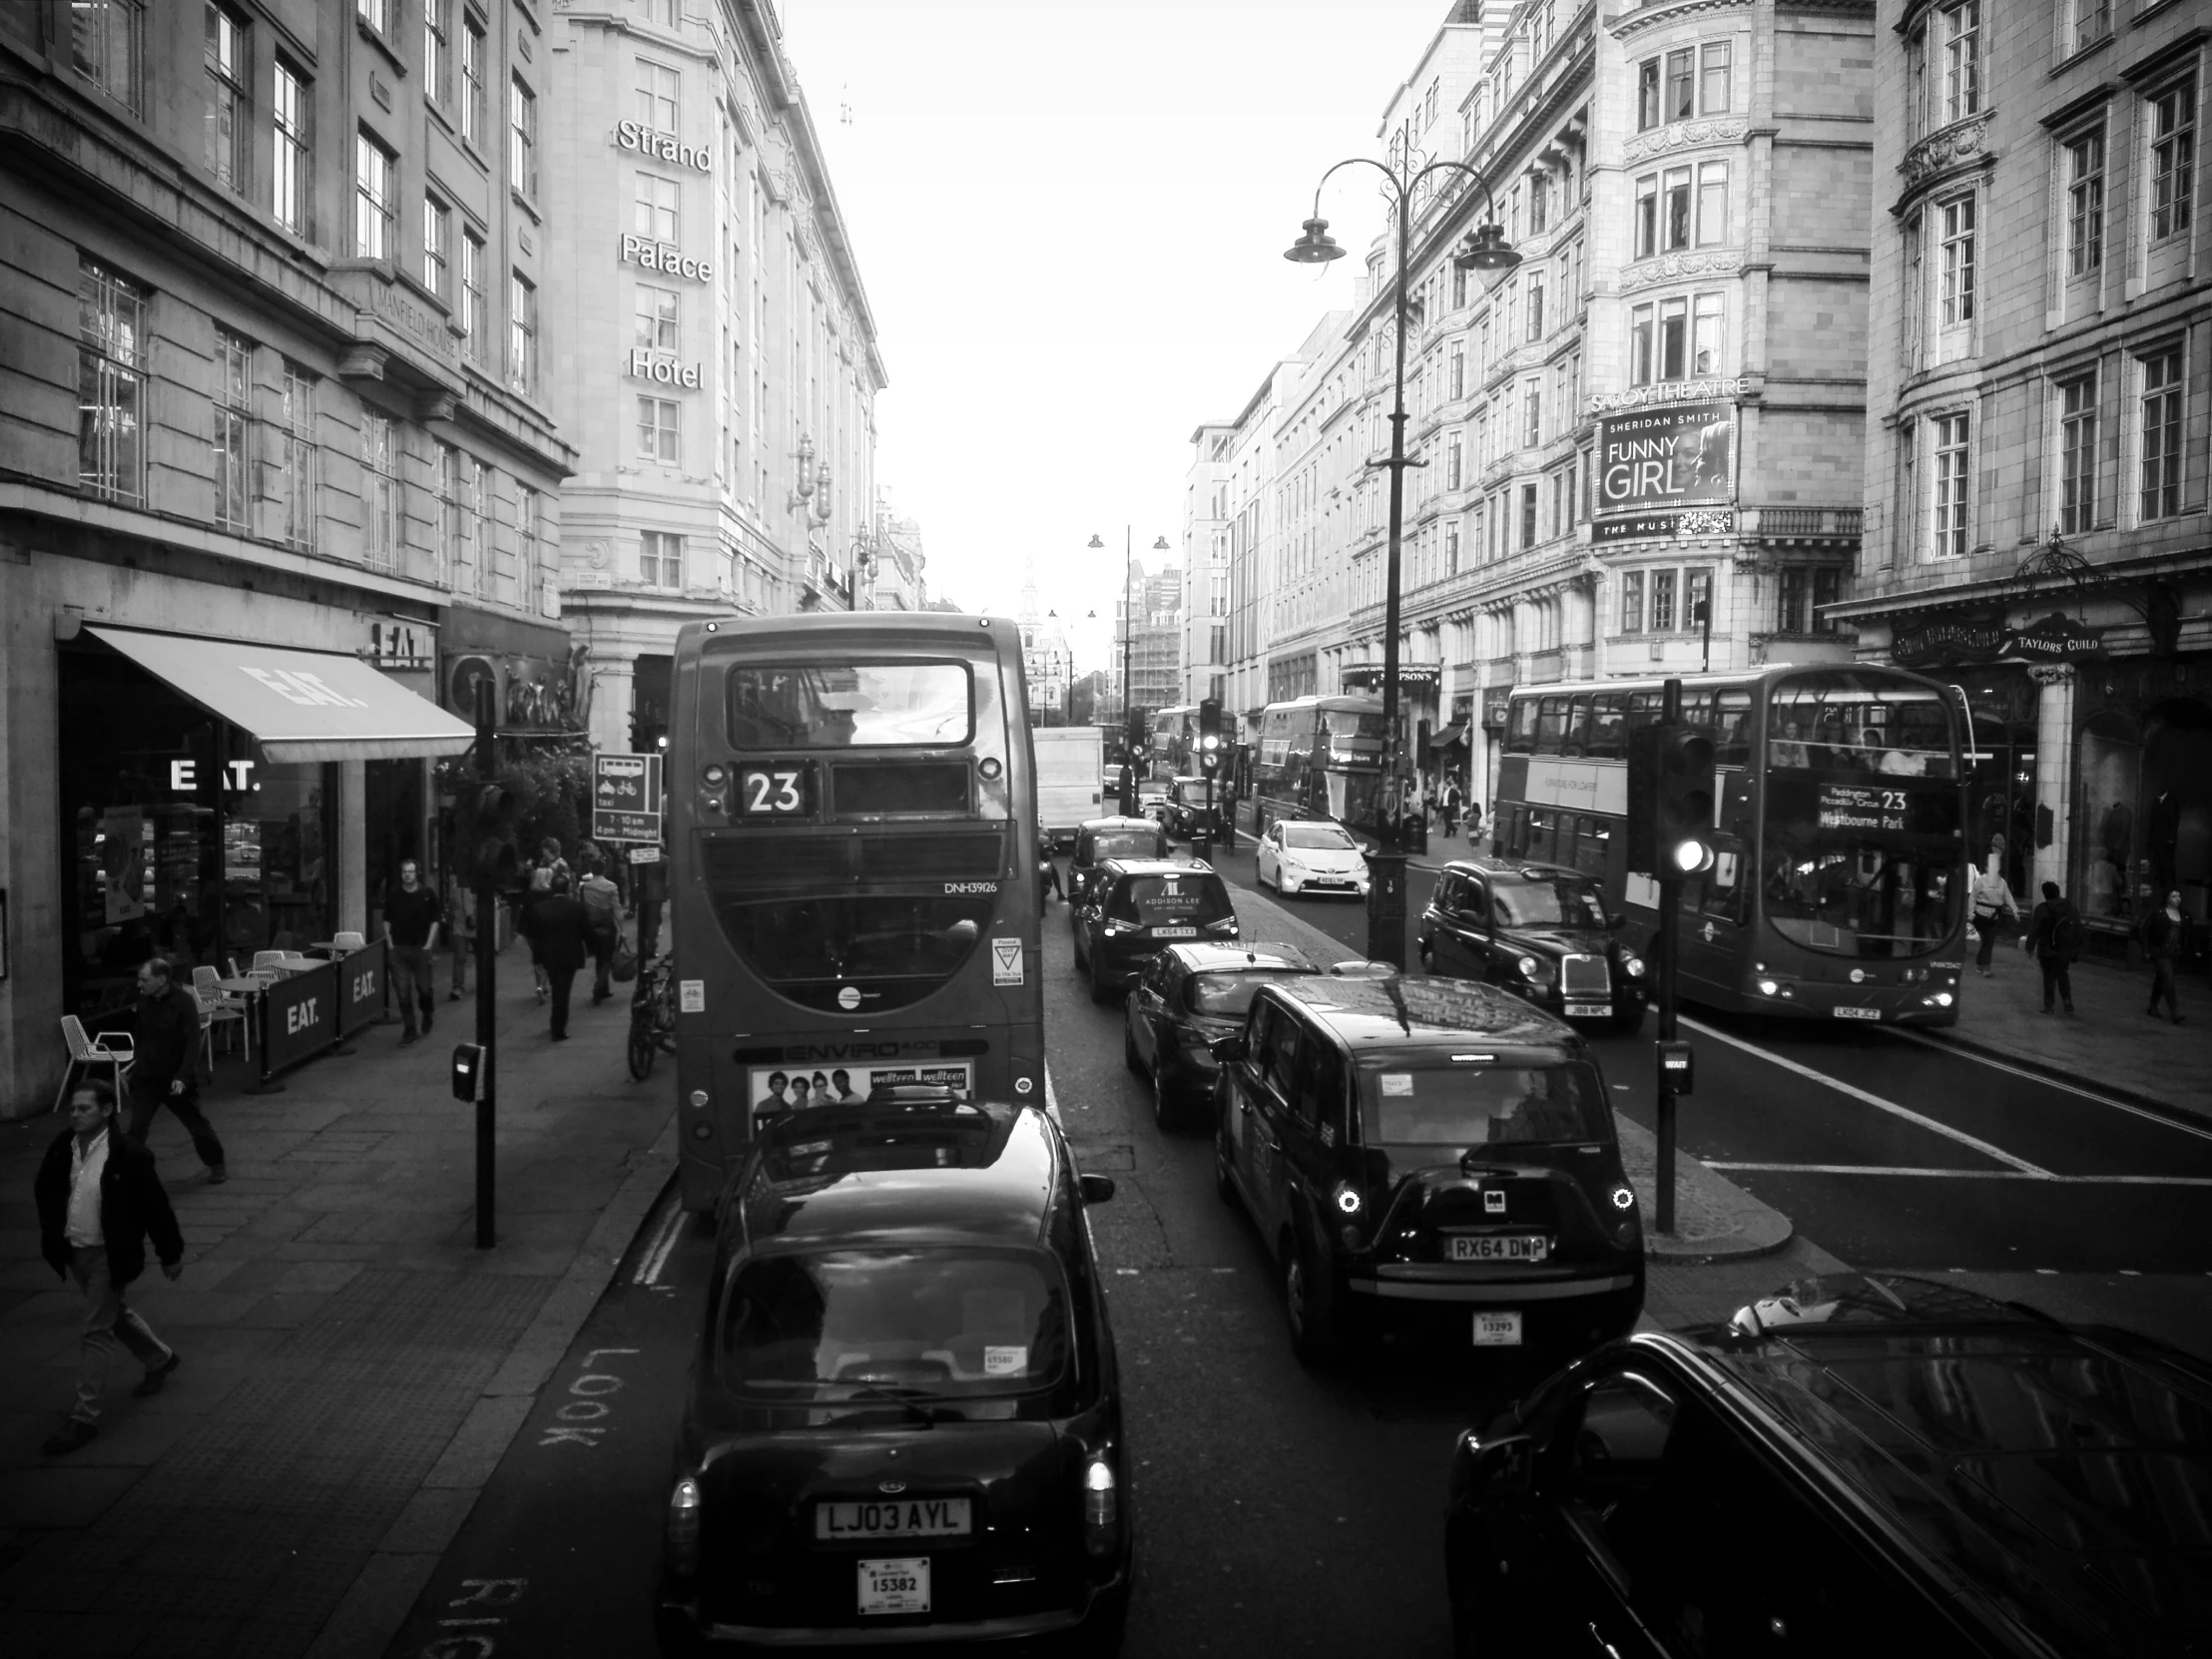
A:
{"x":353,"y":1367}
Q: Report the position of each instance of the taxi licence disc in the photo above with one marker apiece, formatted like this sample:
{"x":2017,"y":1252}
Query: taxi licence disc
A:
{"x":899,"y":1584}
{"x":1497,"y":1328}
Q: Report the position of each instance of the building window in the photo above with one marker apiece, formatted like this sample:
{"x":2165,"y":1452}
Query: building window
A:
{"x":375,"y":235}
{"x":451,"y":550}
{"x":659,"y":431}
{"x":1958,"y":260}
{"x":111,"y":383}
{"x":1451,"y":550}
{"x":1647,"y":95}
{"x":1681,"y":84}
{"x":1537,"y":306}
{"x":1803,"y":591}
{"x":296,"y":458}
{"x":1632,"y":602}
{"x":526,"y":540}
{"x":1532,"y":414}
{"x":2087,"y":22}
{"x":1647,"y":215}
{"x":656,"y":98}
{"x":234,"y":427}
{"x":657,"y":330}
{"x":1458,"y":373}
{"x":293,"y":151}
{"x":1959,"y":30}
{"x":474,"y":109}
{"x":1539,"y":204}
{"x":379,"y":494}
{"x":2161,"y":434}
{"x":1712,"y":202}
{"x":437,"y":229}
{"x":2078,"y":454}
{"x":656,"y":208}
{"x":472,"y":296}
{"x":1451,"y":461}
{"x":1949,"y":506}
{"x":375,"y":13}
{"x":661,"y":559}
{"x":1705,"y":335}
{"x":1675,"y":222}
{"x":1713,"y":78}
{"x":2085,"y":204}
{"x":522,"y":334}
{"x":229,"y":130}
{"x":1674,"y":340}
{"x":1639,"y":345}
{"x":2173,"y":156}
{"x":481,"y":548}
{"x":1528,"y":515}
{"x":438,"y":50}
{"x":1662,"y":602}
{"x":107,"y":46}
{"x":522,"y":148}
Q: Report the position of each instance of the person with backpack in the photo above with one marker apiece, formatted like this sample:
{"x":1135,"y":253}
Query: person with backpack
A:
{"x":602,"y":902}
{"x":2055,"y":941}
{"x":2165,"y":939}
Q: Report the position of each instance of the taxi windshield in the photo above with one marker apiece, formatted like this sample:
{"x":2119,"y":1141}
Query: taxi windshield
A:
{"x":1231,"y":993}
{"x":1466,"y":1105}
{"x":1120,"y":844}
{"x":1155,"y":899}
{"x":1549,"y":901}
{"x":832,"y":1325}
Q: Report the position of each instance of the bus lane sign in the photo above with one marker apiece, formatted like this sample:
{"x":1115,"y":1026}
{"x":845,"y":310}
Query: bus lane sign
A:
{"x":626,"y":797}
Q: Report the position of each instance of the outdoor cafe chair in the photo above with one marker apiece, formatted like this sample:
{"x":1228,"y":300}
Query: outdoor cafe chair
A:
{"x":219,"y":1007}
{"x":108,"y":1049}
{"x":349,"y":941}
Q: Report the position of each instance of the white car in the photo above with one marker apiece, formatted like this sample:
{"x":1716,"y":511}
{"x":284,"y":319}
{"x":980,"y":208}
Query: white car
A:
{"x":1299,"y":855}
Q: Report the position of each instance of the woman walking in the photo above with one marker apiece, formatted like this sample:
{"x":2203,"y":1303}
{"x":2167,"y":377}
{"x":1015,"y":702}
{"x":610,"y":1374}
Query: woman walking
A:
{"x":1994,"y":907}
{"x":2165,"y":937}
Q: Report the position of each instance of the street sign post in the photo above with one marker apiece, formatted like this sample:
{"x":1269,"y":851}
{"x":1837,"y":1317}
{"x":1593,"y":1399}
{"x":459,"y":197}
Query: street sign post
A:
{"x":626,"y":797}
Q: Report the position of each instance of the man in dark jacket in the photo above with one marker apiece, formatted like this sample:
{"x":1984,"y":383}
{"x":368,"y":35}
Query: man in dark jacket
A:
{"x":165,"y":1028}
{"x":98,"y":1201}
{"x":2055,"y":941}
{"x":562,"y":927}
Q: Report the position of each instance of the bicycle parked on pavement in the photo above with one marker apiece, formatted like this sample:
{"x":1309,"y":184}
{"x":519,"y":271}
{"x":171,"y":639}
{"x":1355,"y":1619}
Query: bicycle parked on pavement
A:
{"x":652,"y":1016}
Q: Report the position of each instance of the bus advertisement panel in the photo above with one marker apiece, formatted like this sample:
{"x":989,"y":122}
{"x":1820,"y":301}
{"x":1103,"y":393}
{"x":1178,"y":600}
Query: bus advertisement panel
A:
{"x":1839,"y":882}
{"x":854,"y":844}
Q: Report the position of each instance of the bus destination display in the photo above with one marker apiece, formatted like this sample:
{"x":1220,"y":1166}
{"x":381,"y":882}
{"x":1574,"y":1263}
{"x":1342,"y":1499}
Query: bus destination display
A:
{"x":1850,"y":807}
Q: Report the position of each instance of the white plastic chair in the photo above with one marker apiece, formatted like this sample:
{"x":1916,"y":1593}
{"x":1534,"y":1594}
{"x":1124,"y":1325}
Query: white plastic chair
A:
{"x":269,"y":960}
{"x":349,"y":941}
{"x":108,"y":1049}
{"x":219,"y":1007}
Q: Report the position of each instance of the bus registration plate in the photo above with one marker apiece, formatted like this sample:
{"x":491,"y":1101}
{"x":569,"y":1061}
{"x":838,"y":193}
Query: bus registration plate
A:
{"x":1846,"y":1012}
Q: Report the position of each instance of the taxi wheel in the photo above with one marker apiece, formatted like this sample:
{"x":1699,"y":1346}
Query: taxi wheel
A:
{"x":1312,"y":1322}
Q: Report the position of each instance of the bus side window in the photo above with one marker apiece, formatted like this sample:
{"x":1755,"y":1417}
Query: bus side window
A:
{"x":1723,"y":895}
{"x":1696,"y":709}
{"x":1644,"y":709}
{"x":1732,"y":742}
{"x":1543,"y":827}
{"x":1576,"y":740}
{"x":1609,"y":723}
{"x":1593,"y":839}
{"x":1551,"y":724}
{"x":1520,"y":727}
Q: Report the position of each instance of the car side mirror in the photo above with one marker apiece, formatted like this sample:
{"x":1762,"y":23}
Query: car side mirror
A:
{"x":1097,"y":1189}
{"x":1486,"y":1471}
{"x":1616,"y":921}
{"x":1229,"y":1050}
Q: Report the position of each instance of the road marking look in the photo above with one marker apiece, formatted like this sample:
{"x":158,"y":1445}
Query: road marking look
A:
{"x":1968,"y":1173}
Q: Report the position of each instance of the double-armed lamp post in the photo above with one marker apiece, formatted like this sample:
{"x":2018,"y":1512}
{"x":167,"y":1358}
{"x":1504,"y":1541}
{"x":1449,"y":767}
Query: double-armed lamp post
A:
{"x":1483,"y":249}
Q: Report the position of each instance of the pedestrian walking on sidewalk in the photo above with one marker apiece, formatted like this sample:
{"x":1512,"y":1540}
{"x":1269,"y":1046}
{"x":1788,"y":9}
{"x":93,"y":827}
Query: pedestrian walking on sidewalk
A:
{"x":99,"y":1200}
{"x":602,"y":903}
{"x":164,"y":1028}
{"x":562,"y":927}
{"x":1451,"y":801}
{"x":2165,"y":939}
{"x":462,"y":932}
{"x":1993,"y":910}
{"x":2055,"y":941}
{"x":412,"y":917}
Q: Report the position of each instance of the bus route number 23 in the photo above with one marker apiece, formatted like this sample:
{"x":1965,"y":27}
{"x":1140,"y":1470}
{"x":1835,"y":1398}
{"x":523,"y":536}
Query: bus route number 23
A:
{"x":772,"y":793}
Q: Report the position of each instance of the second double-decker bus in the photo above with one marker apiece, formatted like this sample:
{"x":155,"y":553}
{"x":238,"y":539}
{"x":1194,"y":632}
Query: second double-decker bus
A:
{"x":1840,"y":878}
{"x":1317,"y":756}
{"x":1174,"y":741}
{"x":853,"y":900}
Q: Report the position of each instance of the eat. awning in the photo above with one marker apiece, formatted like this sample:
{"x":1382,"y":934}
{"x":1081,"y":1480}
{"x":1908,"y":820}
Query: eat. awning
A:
{"x":301,"y":704}
{"x":1450,"y":736}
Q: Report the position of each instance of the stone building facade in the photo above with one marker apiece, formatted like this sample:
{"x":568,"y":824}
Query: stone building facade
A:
{"x":2040,"y":341}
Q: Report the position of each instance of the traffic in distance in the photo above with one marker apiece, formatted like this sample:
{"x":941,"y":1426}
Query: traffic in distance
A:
{"x":904,"y":1420}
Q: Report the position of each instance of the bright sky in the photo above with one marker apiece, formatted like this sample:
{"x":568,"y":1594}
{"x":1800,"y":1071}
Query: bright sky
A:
{"x":1069,"y":218}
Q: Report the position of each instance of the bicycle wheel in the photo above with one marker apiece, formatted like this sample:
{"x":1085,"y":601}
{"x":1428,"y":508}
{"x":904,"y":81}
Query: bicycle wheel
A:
{"x":642,"y":1048}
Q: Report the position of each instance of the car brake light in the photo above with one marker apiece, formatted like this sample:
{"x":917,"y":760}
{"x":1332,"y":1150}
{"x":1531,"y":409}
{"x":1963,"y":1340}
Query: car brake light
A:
{"x":683,"y":1527}
{"x":1101,"y":1505}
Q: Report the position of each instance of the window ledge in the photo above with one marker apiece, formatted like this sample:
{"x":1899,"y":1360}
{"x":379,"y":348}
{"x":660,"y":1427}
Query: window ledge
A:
{"x":368,"y":32}
{"x":2079,"y":55}
{"x":527,"y":205}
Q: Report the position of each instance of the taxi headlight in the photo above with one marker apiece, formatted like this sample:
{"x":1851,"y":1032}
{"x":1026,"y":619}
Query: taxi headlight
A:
{"x":1528,"y":967}
{"x":1767,"y":988}
{"x":1346,"y":1198}
{"x":1633,"y":966}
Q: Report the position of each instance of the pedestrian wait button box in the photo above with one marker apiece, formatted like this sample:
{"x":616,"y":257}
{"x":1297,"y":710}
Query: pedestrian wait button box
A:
{"x":468,"y":1072}
{"x":1674,"y":1067}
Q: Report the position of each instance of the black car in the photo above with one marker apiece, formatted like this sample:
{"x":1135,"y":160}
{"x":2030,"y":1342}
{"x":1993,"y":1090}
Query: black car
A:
{"x":1100,"y":839}
{"x":1136,"y":907}
{"x":1430,"y":1160}
{"x":1540,"y":931}
{"x":1188,"y":999}
{"x":903,"y":1419}
{"x":1863,"y":1464}
{"x":1186,"y":813}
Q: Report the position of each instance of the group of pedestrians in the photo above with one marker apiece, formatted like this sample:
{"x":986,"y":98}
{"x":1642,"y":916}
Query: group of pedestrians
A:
{"x":567,"y":921}
{"x":2055,"y":937}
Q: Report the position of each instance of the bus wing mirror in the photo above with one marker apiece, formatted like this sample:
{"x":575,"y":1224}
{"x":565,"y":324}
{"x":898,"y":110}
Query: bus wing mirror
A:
{"x":1229,"y":1050}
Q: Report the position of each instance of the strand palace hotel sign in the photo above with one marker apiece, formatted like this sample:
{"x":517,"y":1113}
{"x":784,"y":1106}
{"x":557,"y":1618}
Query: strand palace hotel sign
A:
{"x":651,"y":254}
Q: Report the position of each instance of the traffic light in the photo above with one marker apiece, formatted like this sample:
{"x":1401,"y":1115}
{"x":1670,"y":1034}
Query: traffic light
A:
{"x":1670,"y":800}
{"x":1209,"y":736}
{"x":1134,"y":732}
{"x":494,"y":827}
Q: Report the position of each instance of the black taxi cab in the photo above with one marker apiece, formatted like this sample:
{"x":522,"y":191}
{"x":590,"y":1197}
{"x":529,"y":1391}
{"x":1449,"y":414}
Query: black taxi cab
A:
{"x":1189,"y":998}
{"x":1861,"y":1462}
{"x":904,"y":1420}
{"x":1539,"y":930}
{"x":1429,"y":1160}
{"x":1136,"y":907}
{"x":1100,"y":839}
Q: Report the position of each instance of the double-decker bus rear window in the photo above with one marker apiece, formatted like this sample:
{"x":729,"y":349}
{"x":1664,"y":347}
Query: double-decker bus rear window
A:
{"x":858,"y":953}
{"x":851,"y":705}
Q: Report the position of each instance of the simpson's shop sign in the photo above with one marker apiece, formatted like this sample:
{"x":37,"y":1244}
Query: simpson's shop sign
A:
{"x":1683,"y":456}
{"x":662,"y":369}
{"x":661,"y":147}
{"x":664,"y":257}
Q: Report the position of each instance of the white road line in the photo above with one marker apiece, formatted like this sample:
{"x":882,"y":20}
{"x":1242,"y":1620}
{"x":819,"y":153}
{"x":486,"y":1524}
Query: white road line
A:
{"x":1968,"y":1173}
{"x":664,"y":1241}
{"x":2202,"y":1134}
{"x":1892,"y":1107}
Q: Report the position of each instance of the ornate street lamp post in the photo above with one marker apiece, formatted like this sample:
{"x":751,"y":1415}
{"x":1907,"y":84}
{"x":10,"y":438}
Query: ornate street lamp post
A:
{"x":1483,"y":249}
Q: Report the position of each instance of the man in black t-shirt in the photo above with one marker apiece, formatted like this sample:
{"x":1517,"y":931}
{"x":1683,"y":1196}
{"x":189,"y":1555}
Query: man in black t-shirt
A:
{"x":412,"y":915}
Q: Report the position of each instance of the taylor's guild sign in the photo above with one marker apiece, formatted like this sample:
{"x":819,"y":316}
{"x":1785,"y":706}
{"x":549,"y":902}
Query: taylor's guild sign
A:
{"x":1682,"y":456}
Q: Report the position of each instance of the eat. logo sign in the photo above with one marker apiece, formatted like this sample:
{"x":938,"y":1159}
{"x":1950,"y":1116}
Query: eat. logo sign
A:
{"x":307,"y":689}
